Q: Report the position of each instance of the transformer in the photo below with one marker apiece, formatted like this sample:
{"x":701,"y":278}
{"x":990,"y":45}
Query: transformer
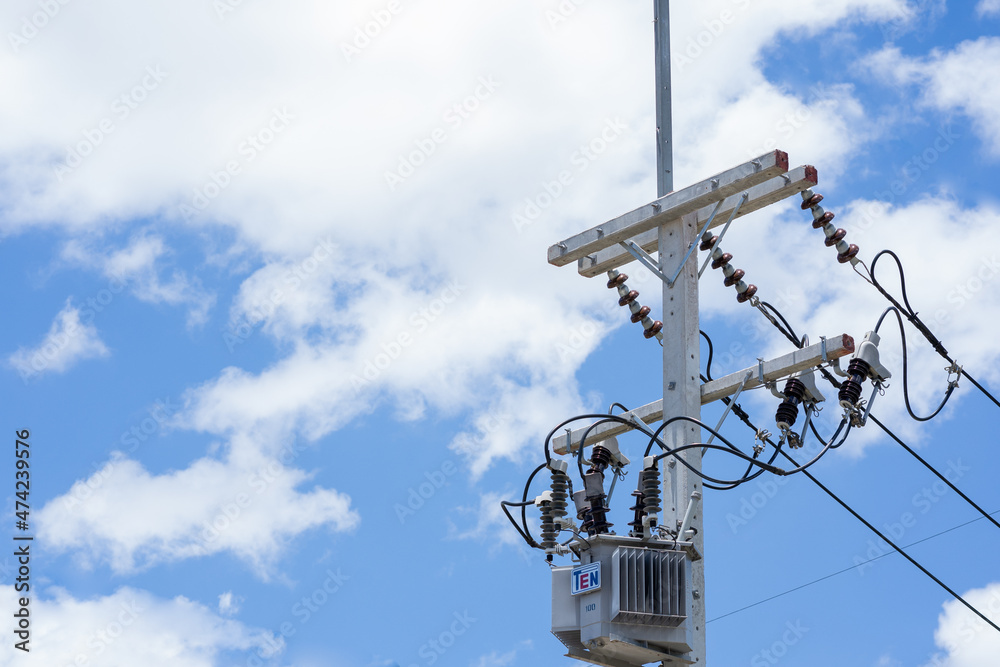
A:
{"x":626,"y":604}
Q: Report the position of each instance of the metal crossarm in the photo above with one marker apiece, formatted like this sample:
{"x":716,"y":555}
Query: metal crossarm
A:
{"x":758,"y":196}
{"x":669,"y":208}
{"x":783,"y":366}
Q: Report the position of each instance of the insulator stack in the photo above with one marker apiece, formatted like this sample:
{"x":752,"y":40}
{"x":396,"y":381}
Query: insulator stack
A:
{"x":640,"y":313}
{"x":788,"y":411}
{"x":651,"y":491}
{"x":549,"y":530}
{"x":555,"y":509}
{"x":560,"y":493}
{"x":734,"y":276}
{"x":850,"y":390}
{"x":846,"y":252}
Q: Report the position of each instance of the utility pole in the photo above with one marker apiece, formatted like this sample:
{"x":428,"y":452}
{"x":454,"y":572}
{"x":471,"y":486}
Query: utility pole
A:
{"x":674,"y":225}
{"x":681,"y":343}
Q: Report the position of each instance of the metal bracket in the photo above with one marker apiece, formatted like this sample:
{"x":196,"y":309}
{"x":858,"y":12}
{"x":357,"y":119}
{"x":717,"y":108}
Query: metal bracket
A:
{"x":732,"y":402}
{"x":694,"y":244}
{"x":760,"y":370}
{"x":822,"y":342}
{"x":715,"y":246}
{"x":645,"y":259}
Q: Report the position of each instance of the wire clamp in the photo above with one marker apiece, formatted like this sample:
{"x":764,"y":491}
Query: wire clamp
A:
{"x":762,"y":435}
{"x":954,"y":370}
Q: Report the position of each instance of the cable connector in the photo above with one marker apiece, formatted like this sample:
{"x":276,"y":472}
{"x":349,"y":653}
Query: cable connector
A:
{"x":954,"y":370}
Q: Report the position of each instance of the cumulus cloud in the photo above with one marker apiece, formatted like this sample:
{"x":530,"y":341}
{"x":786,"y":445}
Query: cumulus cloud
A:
{"x":129,"y":627}
{"x":965,"y":639}
{"x":135,"y":266}
{"x":956,"y":80}
{"x":248,"y":505}
{"x":988,"y":8}
{"x":68,"y":342}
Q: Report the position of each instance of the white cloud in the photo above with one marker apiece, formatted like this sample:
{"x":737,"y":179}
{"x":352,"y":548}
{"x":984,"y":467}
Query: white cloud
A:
{"x":988,"y":8}
{"x":957,"y":80}
{"x":129,"y":627}
{"x":248,"y":505}
{"x":967,"y":641}
{"x":229,"y":604}
{"x":495,"y":659}
{"x":68,"y":342}
{"x":135,"y":266}
{"x":322,"y":174}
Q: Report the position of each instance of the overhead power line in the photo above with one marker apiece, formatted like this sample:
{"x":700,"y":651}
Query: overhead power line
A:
{"x":853,"y":567}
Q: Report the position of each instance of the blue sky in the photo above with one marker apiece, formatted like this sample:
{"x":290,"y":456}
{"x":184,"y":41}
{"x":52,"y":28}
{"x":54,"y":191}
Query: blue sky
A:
{"x":280,"y":323}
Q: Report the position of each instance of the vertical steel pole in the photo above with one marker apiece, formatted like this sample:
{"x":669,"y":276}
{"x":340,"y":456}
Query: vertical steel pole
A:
{"x":664,"y":118}
{"x":681,"y":343}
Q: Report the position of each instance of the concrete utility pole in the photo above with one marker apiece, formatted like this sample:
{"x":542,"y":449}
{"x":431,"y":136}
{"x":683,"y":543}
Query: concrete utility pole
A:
{"x":673,"y":226}
{"x":681,"y":344}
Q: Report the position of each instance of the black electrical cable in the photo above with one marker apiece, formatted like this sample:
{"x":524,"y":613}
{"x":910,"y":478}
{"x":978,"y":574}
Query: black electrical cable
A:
{"x":926,"y":464}
{"x":732,"y":449}
{"x":935,"y":471}
{"x":711,"y":354}
{"x":911,"y":315}
{"x":906,"y":388}
{"x":848,"y":569}
{"x":893,"y":544}
{"x":524,"y":504}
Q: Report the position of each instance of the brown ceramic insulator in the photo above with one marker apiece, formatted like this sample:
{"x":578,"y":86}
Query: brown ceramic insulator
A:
{"x":722,"y":261}
{"x":653,"y":330}
{"x":617,"y":280}
{"x":628,"y":298}
{"x":735,"y":278}
{"x":823,"y":220}
{"x":707,"y":245}
{"x":745,"y":296}
{"x":812,"y":201}
{"x":640,"y":314}
{"x":850,"y":254}
{"x":837,"y":237}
